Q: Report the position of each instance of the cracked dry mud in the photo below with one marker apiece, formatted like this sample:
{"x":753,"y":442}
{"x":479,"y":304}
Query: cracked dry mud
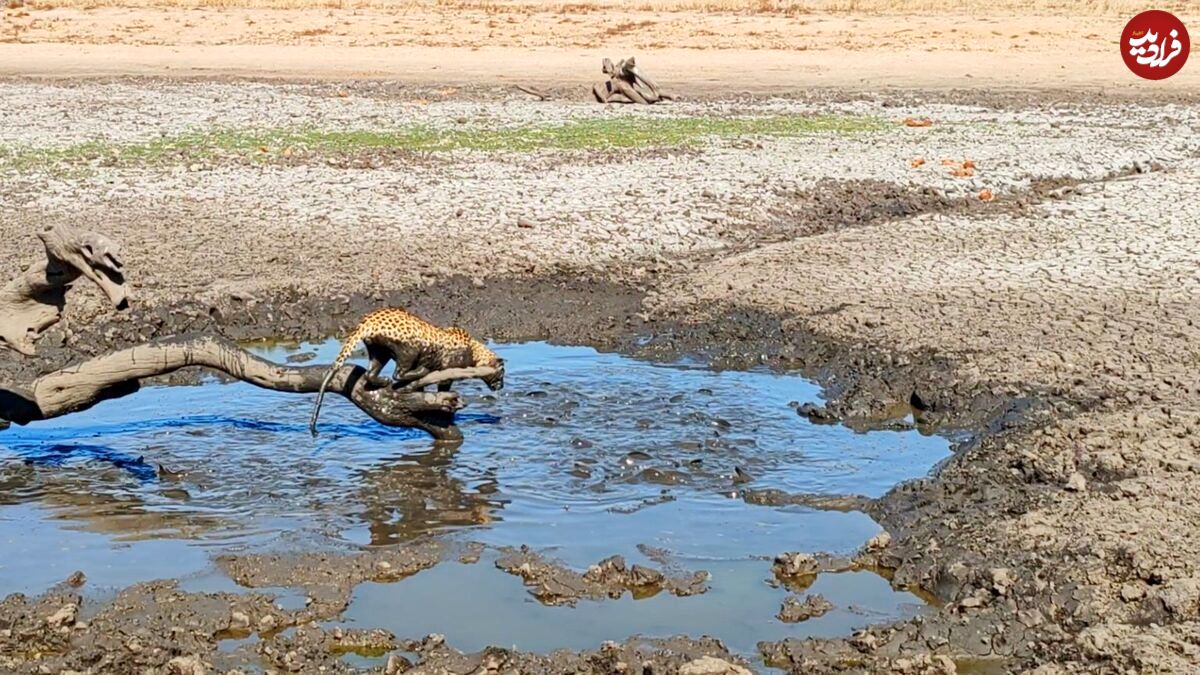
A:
{"x":1055,"y":326}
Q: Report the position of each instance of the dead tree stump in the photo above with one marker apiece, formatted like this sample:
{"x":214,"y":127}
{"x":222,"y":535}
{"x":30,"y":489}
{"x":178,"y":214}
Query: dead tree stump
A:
{"x":34,"y":300}
{"x":626,"y":84}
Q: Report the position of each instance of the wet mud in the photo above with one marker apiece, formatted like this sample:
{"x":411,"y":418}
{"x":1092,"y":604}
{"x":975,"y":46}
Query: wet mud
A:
{"x":554,"y":584}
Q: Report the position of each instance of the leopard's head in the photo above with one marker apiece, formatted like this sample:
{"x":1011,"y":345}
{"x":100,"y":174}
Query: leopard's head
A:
{"x":494,"y":381}
{"x":482,"y":356}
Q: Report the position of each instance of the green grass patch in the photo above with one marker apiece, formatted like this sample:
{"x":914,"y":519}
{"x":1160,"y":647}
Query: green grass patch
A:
{"x":608,"y":133}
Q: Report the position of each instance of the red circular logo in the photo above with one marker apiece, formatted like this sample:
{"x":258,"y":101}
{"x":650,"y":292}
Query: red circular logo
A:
{"x":1155,"y":44}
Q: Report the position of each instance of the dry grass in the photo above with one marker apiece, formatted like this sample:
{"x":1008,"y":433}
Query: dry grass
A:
{"x":791,"y":7}
{"x":588,"y":134}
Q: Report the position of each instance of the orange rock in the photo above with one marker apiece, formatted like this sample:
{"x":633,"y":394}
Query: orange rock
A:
{"x":986,"y":196}
{"x":912,"y":122}
{"x":962,"y":172}
{"x":916,"y":162}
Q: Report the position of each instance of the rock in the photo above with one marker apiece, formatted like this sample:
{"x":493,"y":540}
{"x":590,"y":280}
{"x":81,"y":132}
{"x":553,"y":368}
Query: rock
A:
{"x":1076,"y":483}
{"x":794,"y":610}
{"x":1133,"y":592}
{"x":1002,"y":580}
{"x":1180,"y":598}
{"x":267,"y":623}
{"x":396,"y":664}
{"x":795,"y":565}
{"x":187,"y":665}
{"x":77,"y":579}
{"x":879,"y":542}
{"x":864,"y":641}
{"x":711,"y":665}
{"x":63,"y":616}
{"x":239,"y":620}
{"x":817,"y":414}
{"x":644,"y":576}
{"x":971,"y":602}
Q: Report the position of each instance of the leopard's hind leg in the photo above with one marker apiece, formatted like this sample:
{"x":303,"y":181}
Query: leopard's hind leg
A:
{"x":379,"y":356}
{"x":408,"y":366}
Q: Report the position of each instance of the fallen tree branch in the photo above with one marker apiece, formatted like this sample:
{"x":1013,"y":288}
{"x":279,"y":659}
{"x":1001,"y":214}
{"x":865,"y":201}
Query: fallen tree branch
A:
{"x":34,"y":300}
{"x":533,"y":91}
{"x":118,"y":374}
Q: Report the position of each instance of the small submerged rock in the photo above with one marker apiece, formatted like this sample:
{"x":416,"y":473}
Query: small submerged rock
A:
{"x":817,"y":414}
{"x":795,"y":564}
{"x":661,"y":477}
{"x":635,"y":456}
{"x":795,"y":610}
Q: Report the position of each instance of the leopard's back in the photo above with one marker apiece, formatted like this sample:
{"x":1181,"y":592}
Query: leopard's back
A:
{"x":396,"y":327}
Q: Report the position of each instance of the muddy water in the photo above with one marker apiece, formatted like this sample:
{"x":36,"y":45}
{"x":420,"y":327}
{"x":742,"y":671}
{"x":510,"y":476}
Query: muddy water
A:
{"x":582,"y":456}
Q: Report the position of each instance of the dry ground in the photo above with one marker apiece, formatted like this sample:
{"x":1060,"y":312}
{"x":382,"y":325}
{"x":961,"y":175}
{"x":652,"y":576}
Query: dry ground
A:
{"x":1072,"y":45}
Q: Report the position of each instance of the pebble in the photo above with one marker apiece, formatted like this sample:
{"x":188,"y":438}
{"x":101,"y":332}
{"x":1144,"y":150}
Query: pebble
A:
{"x":239,"y":620}
{"x":1076,"y":483}
{"x":711,"y":665}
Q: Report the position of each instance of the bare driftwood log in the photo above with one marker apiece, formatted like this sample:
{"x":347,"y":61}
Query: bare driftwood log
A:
{"x":34,"y":300}
{"x":82,"y":386}
{"x":533,"y":91}
{"x":626,"y":84}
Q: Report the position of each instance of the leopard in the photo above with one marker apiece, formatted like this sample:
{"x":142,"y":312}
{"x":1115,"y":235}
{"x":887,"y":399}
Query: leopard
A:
{"x":417,"y":347}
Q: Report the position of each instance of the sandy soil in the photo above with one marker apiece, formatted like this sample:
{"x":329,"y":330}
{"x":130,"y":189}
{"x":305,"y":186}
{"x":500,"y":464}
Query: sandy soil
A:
{"x":690,"y":52}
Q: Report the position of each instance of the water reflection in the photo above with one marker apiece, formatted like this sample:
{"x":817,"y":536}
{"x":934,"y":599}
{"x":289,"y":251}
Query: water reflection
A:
{"x":414,"y":494}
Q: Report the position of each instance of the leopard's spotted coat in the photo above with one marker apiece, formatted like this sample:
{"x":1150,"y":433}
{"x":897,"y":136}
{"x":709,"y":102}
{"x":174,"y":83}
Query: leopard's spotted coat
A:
{"x":418,"y":348}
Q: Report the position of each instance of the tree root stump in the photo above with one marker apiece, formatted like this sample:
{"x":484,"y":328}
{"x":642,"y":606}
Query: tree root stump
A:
{"x":34,"y":300}
{"x":626,"y":84}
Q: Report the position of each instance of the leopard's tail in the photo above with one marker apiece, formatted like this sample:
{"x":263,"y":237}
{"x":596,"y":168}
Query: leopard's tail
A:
{"x":348,"y":346}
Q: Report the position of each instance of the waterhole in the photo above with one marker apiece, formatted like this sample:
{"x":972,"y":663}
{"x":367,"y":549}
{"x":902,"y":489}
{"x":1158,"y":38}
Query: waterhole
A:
{"x":582,"y":456}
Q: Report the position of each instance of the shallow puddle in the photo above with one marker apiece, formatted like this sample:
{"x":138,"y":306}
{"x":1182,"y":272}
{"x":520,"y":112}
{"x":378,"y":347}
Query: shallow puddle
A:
{"x":583,"y":455}
{"x":477,"y":605}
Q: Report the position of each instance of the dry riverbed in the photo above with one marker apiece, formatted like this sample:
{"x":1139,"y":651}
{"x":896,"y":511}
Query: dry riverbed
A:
{"x":1020,"y":273}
